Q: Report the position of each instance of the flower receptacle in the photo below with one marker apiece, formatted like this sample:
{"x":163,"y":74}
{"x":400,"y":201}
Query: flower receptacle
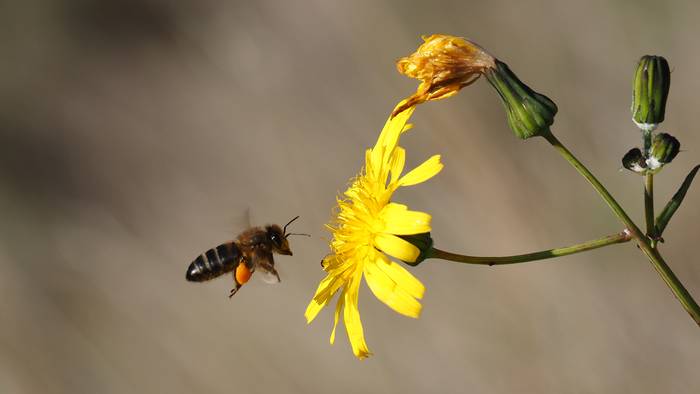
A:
{"x":424,"y":243}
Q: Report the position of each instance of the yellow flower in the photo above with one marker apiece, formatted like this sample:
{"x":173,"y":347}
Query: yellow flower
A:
{"x":444,"y":64}
{"x":367,"y":229}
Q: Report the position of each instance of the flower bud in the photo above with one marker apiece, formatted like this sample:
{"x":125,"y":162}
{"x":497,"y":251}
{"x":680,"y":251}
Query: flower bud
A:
{"x":423,"y":242}
{"x":529,"y":113}
{"x":635,"y":161}
{"x":664,"y":149}
{"x":652,"y":81}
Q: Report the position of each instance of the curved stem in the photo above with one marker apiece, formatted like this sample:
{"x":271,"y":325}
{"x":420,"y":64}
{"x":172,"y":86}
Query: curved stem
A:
{"x":609,"y":199}
{"x":673,"y":282}
{"x":522,"y":258}
{"x":642,"y":240}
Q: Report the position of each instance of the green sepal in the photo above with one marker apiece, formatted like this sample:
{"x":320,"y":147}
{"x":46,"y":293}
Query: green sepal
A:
{"x":424,"y":243}
{"x":652,"y":81}
{"x":529,"y":113}
{"x":675,"y":202}
{"x":664,"y":149}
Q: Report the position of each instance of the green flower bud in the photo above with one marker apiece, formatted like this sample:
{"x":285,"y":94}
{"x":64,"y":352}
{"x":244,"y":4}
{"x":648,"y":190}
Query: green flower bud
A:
{"x":664,"y":149}
{"x":652,"y":81}
{"x":635,"y":161}
{"x":423,"y":242}
{"x":529,"y":113}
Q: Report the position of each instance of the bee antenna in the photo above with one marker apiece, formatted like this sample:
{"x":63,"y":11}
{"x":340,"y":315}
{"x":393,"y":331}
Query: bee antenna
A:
{"x":287,"y":235}
{"x":290,"y":222}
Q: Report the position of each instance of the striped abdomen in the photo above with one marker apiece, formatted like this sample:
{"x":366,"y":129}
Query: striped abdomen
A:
{"x":215,"y":262}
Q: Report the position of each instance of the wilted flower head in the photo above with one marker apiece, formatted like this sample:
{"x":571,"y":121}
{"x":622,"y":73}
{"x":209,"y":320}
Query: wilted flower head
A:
{"x":635,"y":161}
{"x":444,"y":64}
{"x":367,"y":230}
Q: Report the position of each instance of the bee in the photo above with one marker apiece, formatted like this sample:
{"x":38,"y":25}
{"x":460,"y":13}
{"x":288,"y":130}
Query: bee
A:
{"x":252,"y":251}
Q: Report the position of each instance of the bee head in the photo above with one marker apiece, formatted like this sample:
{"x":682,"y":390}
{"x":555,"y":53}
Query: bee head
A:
{"x":278,"y":240}
{"x":278,"y":237}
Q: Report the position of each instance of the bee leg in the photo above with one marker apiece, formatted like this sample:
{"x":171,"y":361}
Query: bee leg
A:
{"x":241,"y":275}
{"x":238,"y":286}
{"x":233,"y":291}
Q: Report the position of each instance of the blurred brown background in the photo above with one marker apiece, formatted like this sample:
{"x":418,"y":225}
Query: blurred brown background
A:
{"x":136,"y":134}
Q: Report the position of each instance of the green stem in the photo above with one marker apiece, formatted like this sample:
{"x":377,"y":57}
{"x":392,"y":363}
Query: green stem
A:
{"x":649,"y":204}
{"x":646,"y":137}
{"x":642,"y":240}
{"x":522,"y":258}
{"x":672,"y":281}
{"x":648,"y":189}
{"x":609,"y":199}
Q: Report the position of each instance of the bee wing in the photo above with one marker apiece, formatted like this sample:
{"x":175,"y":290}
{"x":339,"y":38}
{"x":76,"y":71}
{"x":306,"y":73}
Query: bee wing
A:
{"x":246,"y":218}
{"x":269,"y":276}
{"x":237,"y":223}
{"x":265,"y":267}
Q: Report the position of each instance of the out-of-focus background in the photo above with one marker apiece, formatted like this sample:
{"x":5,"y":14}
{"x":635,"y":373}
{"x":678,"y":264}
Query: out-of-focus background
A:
{"x":136,"y":134}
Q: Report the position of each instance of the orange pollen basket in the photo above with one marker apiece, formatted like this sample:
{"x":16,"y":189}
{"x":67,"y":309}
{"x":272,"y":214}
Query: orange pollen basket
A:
{"x":243,"y":274}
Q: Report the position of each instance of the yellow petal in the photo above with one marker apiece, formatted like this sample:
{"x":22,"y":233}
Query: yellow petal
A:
{"x":393,"y":127}
{"x":339,"y":279}
{"x":312,"y":310}
{"x":325,"y":291}
{"x":389,"y":137}
{"x":335,"y":279}
{"x":379,"y":169}
{"x":317,"y":303}
{"x":423,"y":172}
{"x":397,"y":247}
{"x":400,"y":221}
{"x":338,"y":308}
{"x":369,"y":165}
{"x":331,"y":262}
{"x":376,"y":159}
{"x":398,"y":160}
{"x":351,"y":317}
{"x":390,"y":292}
{"x":402,"y":277}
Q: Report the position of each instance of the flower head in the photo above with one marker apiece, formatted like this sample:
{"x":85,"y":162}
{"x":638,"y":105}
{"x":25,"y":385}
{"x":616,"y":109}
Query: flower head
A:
{"x":444,"y":64}
{"x":367,"y":230}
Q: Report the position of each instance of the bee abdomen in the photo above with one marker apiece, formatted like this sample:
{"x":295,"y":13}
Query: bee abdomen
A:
{"x":215,"y":262}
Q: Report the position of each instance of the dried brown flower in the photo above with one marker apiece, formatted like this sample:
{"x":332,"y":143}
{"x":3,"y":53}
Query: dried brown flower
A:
{"x":444,"y":64}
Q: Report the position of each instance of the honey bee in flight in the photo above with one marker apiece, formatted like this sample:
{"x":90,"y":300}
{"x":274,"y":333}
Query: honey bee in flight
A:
{"x":250,"y":252}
